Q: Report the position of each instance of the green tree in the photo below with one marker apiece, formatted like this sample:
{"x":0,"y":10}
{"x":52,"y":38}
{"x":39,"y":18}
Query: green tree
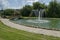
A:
{"x":38,"y":5}
{"x":8,"y":12}
{"x":26,"y":10}
{"x":53,"y":9}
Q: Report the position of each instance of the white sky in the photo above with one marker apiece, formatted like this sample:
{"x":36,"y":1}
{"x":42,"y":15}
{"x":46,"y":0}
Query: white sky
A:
{"x":15,"y":4}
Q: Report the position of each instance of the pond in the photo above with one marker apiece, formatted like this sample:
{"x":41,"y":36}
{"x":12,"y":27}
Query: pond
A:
{"x":51,"y":24}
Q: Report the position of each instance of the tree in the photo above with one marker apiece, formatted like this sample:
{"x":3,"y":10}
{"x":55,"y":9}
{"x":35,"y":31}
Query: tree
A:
{"x":53,"y":9}
{"x":38,"y":5}
{"x":8,"y":12}
{"x":26,"y":10}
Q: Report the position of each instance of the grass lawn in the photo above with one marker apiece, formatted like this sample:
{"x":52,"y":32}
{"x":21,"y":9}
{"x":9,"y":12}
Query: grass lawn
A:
{"x":7,"y":33}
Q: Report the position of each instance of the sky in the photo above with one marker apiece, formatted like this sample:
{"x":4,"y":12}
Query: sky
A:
{"x":17,"y":4}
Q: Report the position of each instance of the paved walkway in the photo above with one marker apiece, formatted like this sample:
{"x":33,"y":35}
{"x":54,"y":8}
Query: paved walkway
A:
{"x":29,"y":29}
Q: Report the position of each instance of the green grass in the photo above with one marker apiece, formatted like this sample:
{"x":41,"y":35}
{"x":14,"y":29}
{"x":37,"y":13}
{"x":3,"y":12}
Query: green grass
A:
{"x":7,"y":33}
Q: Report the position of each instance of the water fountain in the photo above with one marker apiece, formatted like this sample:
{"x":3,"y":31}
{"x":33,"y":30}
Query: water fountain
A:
{"x":40,"y":16}
{"x":40,"y":22}
{"x":39,"y":19}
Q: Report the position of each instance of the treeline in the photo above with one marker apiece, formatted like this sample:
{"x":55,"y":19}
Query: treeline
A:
{"x":52,"y":10}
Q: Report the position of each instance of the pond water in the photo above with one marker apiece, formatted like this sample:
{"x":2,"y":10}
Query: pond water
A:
{"x":53,"y":24}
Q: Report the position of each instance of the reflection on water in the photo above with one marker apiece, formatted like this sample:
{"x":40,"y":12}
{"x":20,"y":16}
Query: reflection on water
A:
{"x":52,"y":24}
{"x":55,"y":23}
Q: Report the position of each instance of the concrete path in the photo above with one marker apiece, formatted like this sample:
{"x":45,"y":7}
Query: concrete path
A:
{"x":29,"y":29}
